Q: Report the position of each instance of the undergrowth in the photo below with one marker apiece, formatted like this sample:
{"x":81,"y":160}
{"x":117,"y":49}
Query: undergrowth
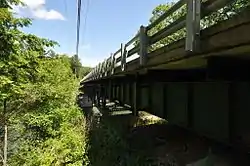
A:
{"x":109,"y":146}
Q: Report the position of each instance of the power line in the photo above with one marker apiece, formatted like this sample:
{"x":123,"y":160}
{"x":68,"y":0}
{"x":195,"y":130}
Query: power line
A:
{"x":65,"y":7}
{"x":85,"y":18}
{"x":79,"y":4}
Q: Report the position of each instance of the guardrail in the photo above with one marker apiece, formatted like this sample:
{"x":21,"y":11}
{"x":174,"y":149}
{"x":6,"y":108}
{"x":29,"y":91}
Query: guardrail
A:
{"x":138,"y":46}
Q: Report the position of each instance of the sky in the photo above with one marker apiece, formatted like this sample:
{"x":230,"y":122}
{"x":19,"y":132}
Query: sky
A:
{"x":105,"y":24}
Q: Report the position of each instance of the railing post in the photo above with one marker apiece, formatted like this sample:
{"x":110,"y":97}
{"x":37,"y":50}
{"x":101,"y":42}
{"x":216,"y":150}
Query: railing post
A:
{"x":97,"y":71}
{"x":193,"y":25}
{"x":112,"y":64}
{"x":101,"y":69}
{"x":105,"y":68}
{"x":124,"y":56}
{"x":143,"y":45}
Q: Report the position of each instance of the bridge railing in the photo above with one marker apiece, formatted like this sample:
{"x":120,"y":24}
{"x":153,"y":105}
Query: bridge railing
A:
{"x":139,"y":45}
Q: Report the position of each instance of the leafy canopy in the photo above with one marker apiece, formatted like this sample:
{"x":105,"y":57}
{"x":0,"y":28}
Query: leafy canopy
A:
{"x":44,"y":125}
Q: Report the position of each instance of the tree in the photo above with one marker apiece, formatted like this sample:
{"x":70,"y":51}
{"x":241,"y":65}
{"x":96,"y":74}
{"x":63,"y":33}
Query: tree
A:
{"x":18,"y":63}
{"x":37,"y":98}
{"x":52,"y":130}
{"x":77,"y":68}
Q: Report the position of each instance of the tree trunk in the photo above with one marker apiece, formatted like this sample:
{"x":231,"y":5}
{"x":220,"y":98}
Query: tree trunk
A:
{"x":5,"y":145}
{"x":5,"y":135}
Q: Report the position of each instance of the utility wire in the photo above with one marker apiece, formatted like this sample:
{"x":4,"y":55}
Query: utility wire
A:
{"x":65,"y":7}
{"x":79,"y":4}
{"x":85,"y":18}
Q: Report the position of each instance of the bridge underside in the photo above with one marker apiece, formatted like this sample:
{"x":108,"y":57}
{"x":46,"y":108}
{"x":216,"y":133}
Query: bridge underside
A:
{"x":213,"y":100}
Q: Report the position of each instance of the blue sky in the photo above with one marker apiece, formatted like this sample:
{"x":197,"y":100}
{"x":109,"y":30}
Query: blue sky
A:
{"x":109,"y":23}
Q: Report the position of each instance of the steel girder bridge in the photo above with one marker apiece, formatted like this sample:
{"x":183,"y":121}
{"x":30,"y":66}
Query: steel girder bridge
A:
{"x":200,"y":82}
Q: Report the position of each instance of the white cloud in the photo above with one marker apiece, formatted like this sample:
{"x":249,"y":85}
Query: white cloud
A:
{"x":48,"y":15}
{"x":37,"y":9}
{"x":34,"y":4}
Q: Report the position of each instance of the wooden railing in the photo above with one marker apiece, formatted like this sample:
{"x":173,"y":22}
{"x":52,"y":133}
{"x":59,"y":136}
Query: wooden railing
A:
{"x":138,"y":46}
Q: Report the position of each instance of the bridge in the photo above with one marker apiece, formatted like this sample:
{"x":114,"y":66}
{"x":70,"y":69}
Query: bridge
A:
{"x":199,"y":82}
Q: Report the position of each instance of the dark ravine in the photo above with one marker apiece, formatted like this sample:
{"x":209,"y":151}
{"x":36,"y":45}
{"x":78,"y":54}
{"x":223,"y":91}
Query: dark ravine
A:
{"x":163,"y":144}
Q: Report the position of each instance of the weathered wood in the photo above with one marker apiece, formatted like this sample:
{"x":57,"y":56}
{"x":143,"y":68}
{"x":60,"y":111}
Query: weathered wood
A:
{"x":213,"y":6}
{"x":193,"y":24}
{"x":132,"y":40}
{"x":176,"y":6}
{"x":192,"y":21}
{"x":117,"y":52}
{"x":133,"y":51}
{"x":124,"y":57}
{"x":213,"y":42}
{"x":143,"y":45}
{"x":169,"y":30}
{"x":112,"y":64}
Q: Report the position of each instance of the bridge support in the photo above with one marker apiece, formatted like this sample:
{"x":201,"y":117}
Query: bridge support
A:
{"x":135,"y":96}
{"x":103,"y":94}
{"x":190,"y":104}
{"x":121,"y":96}
{"x":98,"y":95}
{"x":110,"y":88}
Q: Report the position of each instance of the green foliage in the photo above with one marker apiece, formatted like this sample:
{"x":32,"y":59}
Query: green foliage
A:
{"x":55,"y":82}
{"x":18,"y":55}
{"x":39,"y":89}
{"x":54,"y":139}
{"x":225,"y":13}
{"x":77,"y":68}
{"x":52,"y":130}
